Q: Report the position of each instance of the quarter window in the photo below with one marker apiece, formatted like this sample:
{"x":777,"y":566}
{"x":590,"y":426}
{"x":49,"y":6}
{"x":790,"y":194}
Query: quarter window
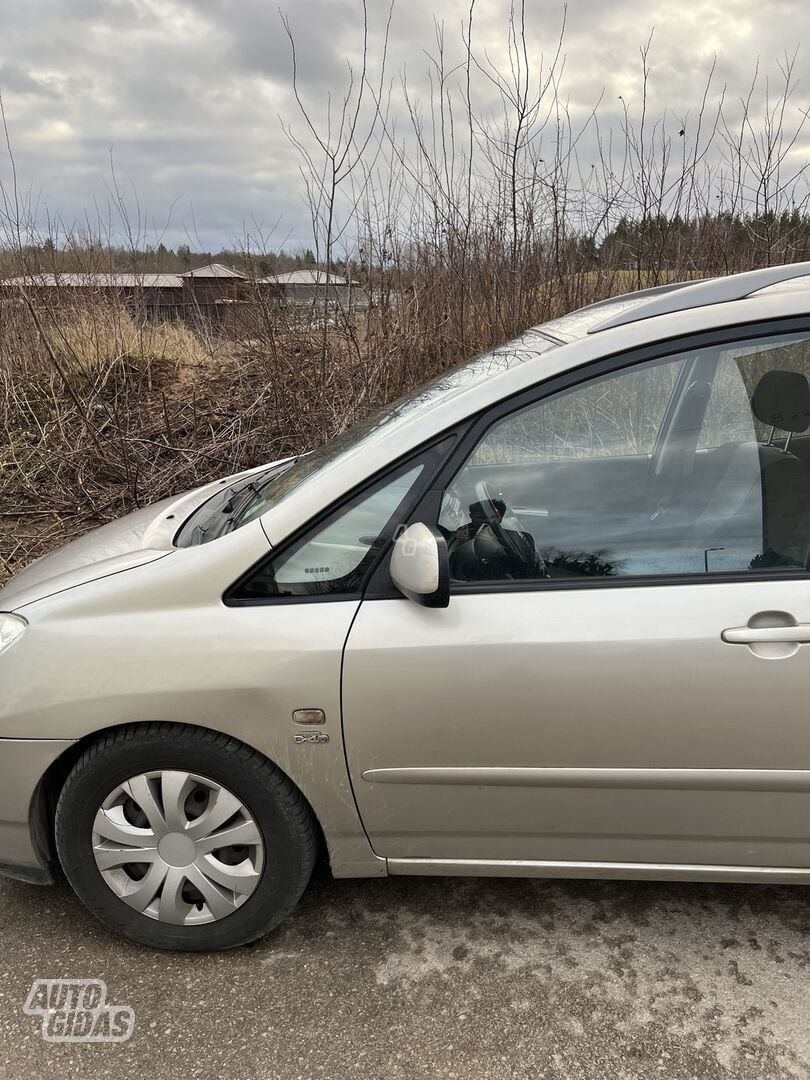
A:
{"x":693,"y":464}
{"x":335,"y":556}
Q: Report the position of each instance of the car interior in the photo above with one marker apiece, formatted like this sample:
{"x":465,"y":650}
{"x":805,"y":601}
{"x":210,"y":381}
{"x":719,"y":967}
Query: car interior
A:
{"x":684,"y":507}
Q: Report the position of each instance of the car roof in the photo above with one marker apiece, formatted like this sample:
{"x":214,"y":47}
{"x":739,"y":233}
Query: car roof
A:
{"x":678,"y":296}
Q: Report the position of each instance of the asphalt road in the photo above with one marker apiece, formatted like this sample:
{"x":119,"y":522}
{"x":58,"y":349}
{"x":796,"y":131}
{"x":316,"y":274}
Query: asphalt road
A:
{"x":439,"y":978}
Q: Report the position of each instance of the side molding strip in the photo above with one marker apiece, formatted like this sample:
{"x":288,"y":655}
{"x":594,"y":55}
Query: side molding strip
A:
{"x":661,"y":779}
{"x":518,"y":868}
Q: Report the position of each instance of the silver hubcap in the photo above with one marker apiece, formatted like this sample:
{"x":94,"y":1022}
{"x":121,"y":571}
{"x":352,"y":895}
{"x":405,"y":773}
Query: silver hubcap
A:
{"x":178,"y":847}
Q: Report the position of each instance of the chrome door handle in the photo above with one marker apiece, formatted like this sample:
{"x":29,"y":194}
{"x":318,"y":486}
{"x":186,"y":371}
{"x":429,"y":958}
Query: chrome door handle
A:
{"x":751,"y":635}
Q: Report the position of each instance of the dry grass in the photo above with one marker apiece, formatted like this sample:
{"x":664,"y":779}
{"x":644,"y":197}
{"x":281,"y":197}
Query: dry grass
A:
{"x":94,"y":335}
{"x":100,"y":337}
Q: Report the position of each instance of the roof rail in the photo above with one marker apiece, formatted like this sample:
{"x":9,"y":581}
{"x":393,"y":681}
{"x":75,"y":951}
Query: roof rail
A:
{"x":687,"y":294}
{"x":653,"y":290}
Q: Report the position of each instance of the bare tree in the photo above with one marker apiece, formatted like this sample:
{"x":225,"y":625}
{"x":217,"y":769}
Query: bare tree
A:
{"x":338,"y":146}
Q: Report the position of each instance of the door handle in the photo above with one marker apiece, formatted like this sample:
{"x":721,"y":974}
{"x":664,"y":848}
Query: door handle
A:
{"x":771,"y":635}
{"x":753,"y":635}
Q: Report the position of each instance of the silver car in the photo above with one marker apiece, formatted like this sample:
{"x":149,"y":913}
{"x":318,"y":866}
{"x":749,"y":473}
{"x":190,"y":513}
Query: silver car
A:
{"x":546,"y":616}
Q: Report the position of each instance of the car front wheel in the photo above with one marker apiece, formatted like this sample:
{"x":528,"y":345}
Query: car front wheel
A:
{"x":182,"y":838}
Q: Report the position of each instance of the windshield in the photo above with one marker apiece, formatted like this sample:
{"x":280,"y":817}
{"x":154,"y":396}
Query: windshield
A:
{"x":436,"y":392}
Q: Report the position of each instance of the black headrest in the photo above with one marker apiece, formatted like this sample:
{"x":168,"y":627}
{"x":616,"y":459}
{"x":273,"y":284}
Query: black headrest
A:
{"x":782,"y":400}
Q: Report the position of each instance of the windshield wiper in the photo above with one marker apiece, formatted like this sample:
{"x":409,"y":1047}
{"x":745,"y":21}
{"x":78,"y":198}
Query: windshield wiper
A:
{"x":226,"y":510}
{"x":224,"y":519}
{"x":234,"y":510}
{"x":238,"y":503}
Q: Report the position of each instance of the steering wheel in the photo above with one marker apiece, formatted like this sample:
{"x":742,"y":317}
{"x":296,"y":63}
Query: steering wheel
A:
{"x":507,"y":542}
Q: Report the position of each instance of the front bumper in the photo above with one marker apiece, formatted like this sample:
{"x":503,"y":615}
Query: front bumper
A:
{"x":23,"y":840}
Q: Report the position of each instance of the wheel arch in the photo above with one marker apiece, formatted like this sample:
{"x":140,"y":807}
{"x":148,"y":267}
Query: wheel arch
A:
{"x":46,"y":794}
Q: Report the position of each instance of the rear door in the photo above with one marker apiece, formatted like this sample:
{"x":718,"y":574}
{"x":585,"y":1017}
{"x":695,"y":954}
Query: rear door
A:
{"x":635,"y":692}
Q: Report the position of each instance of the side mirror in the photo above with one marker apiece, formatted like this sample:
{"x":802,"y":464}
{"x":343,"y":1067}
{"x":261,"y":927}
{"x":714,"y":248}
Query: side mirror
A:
{"x":420,"y":567}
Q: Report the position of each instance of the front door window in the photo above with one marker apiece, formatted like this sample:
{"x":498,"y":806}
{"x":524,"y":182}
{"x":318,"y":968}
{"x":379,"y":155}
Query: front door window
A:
{"x":693,"y":464}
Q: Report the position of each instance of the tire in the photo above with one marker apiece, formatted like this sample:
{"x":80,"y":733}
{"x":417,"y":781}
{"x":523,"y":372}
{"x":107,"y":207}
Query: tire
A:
{"x":149,"y":761}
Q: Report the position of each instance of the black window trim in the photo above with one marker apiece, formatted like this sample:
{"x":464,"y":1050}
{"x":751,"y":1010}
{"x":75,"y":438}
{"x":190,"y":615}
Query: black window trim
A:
{"x":434,"y":446}
{"x":427,"y":510}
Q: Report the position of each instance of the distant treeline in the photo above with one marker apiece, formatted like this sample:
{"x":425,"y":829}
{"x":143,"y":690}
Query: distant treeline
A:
{"x":654,"y":245}
{"x":83,"y":255}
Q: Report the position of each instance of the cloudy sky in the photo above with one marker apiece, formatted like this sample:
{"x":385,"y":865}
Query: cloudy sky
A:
{"x":186,"y":95}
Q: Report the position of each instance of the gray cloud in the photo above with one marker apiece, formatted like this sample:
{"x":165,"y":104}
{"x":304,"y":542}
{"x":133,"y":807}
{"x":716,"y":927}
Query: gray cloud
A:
{"x":186,"y":93}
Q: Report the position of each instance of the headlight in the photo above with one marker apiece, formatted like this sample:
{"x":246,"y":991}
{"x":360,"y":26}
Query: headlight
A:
{"x":11,"y":628}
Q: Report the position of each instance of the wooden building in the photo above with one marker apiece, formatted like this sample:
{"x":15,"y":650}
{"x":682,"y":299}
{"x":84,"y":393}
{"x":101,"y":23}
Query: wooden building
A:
{"x":201,"y":289}
{"x":309,"y":286}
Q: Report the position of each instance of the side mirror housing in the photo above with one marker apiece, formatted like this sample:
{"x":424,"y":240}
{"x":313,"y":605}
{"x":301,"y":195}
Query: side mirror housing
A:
{"x":420,"y":567}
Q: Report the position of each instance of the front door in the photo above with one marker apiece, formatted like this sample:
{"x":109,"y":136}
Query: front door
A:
{"x":621,"y":674}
